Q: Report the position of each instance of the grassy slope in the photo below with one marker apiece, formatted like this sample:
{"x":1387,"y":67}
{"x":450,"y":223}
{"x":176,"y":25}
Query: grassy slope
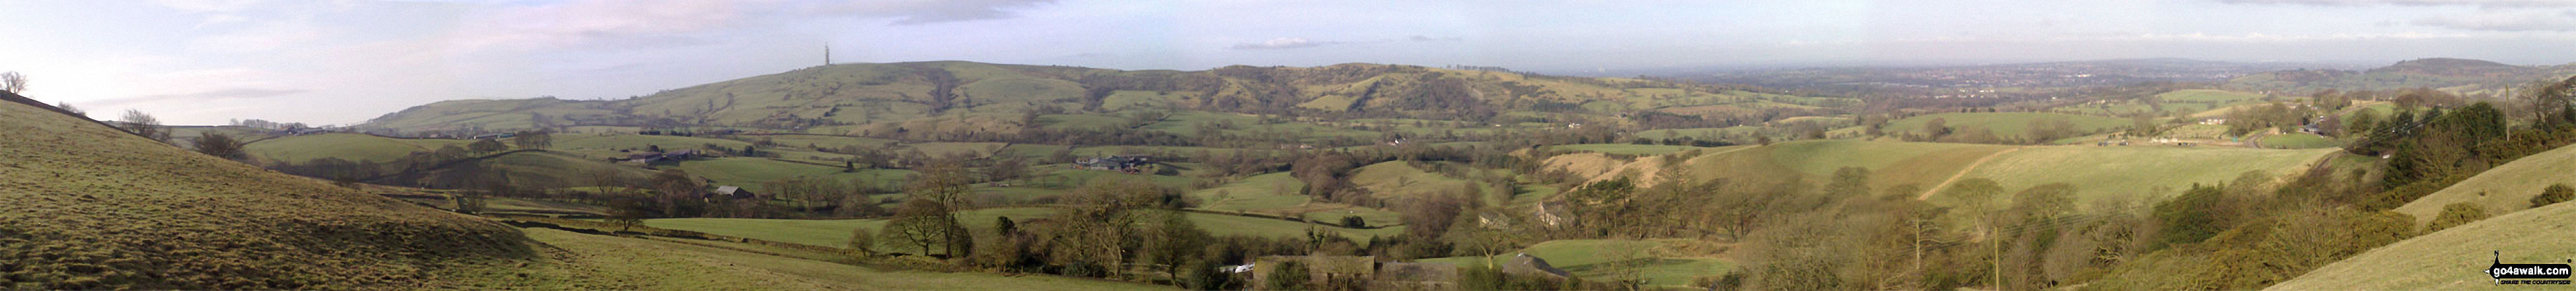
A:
{"x":93,"y":208}
{"x":596,"y":262}
{"x":1264,"y":191}
{"x":2134,"y":170}
{"x":752,"y":172}
{"x":2454,"y":258}
{"x":1593,"y":259}
{"x":347,"y":146}
{"x":2505,"y":188}
{"x":1624,"y":149}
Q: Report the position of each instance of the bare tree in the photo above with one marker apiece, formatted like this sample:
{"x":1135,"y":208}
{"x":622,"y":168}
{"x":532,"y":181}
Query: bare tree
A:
{"x":137,"y":122}
{"x":220,"y":145}
{"x":67,"y":106}
{"x":13,"y":82}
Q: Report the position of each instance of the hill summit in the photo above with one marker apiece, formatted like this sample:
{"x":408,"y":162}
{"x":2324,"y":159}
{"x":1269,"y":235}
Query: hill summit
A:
{"x":92,"y":207}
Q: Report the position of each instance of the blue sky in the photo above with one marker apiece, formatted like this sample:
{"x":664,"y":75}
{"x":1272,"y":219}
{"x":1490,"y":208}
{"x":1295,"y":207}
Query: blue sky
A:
{"x":342,"y":62}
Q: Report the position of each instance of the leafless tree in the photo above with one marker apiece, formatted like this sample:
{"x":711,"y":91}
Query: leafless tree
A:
{"x":13,"y":82}
{"x":139,"y":123}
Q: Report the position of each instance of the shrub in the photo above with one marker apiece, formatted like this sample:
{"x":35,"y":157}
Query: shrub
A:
{"x":1354,"y":222}
{"x":2456,"y":214}
{"x":2555,"y":194}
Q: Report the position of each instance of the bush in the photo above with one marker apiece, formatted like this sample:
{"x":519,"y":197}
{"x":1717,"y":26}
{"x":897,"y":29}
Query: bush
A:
{"x":2456,"y":214}
{"x":1354,"y":222}
{"x":2555,"y":194}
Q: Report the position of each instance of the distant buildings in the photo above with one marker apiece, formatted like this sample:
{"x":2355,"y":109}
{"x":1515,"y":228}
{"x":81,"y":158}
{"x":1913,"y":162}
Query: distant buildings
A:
{"x":649,"y":157}
{"x":1126,"y":164}
{"x":730,"y":191}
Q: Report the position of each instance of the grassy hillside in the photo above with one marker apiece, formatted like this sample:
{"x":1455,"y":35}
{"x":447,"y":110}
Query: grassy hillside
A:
{"x":94,"y":208}
{"x":2505,"y":188}
{"x":346,"y":146}
{"x":2455,"y":258}
{"x":1606,"y":259}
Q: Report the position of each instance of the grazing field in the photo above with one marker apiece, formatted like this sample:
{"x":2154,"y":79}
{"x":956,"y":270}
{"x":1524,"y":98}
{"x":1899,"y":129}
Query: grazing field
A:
{"x":2506,"y":188}
{"x":1623,"y":149}
{"x":1258,"y":192}
{"x":2006,"y":124}
{"x":598,"y":262}
{"x":805,"y":141}
{"x":612,"y":142}
{"x":1700,"y":133}
{"x":555,"y":170}
{"x":830,"y":233}
{"x":346,"y":146}
{"x":2455,"y":258}
{"x":752,"y":172}
{"x":93,"y":208}
{"x":2097,"y":171}
{"x":969,"y":149}
{"x":1605,"y":259}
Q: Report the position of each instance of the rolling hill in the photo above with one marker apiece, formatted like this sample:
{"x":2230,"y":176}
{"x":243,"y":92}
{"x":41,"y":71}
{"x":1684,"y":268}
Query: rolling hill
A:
{"x":2455,"y":258}
{"x":2505,"y":188}
{"x":91,"y":207}
{"x":2095,"y":171}
{"x":951,"y":95}
{"x":2461,"y":76}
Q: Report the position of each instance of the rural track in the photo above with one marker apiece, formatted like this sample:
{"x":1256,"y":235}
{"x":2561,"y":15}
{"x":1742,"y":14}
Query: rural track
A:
{"x":1963,"y":172}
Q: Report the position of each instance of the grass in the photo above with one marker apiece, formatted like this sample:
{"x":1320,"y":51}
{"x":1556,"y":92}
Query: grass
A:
{"x":2452,"y":259}
{"x":2006,"y":124}
{"x":2097,"y":172}
{"x":2505,"y":188}
{"x":1624,"y":149}
{"x":970,"y":149}
{"x":346,"y":146}
{"x":823,"y":141}
{"x":91,"y":207}
{"x":1259,"y":192}
{"x":750,"y":173}
{"x":1601,"y":259}
{"x":637,"y":142}
{"x":597,"y":262}
{"x":1700,"y":133}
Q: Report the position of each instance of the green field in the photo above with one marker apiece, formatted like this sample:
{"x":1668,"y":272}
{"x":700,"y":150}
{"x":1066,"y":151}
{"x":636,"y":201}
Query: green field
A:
{"x":1890,"y":163}
{"x":2455,"y":258}
{"x":598,"y":262}
{"x":614,"y":142}
{"x":1259,"y":192}
{"x":556,"y":170}
{"x":752,"y":172}
{"x":2006,"y":124}
{"x":1600,"y":260}
{"x":346,"y":146}
{"x":2096,"y":171}
{"x":1700,"y":133}
{"x":2505,"y":188}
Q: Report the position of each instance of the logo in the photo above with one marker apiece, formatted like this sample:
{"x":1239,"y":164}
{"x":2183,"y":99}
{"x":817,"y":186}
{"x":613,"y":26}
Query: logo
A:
{"x":2516,"y":274}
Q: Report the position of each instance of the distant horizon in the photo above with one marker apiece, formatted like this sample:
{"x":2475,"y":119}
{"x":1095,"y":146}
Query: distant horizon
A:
{"x":209,"y":61}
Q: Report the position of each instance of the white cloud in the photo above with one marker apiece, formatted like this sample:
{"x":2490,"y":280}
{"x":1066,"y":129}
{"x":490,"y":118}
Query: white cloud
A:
{"x":2479,"y":3}
{"x":1281,"y":43}
{"x":2506,"y":21}
{"x":913,"y":12}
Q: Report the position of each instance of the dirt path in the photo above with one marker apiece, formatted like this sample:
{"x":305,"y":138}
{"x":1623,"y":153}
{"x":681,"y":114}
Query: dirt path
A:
{"x":1963,"y":172}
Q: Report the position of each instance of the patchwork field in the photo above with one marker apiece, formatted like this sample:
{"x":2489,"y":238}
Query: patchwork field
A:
{"x":2006,"y":124}
{"x":347,"y":146}
{"x":837,"y":232}
{"x":2096,"y":171}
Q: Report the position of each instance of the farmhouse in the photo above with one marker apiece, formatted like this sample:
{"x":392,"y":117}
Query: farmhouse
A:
{"x":1127,"y":164}
{"x":734,"y":192}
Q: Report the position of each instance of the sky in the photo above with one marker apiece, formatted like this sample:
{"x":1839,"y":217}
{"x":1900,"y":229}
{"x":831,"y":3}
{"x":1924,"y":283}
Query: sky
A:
{"x":199,"y":62}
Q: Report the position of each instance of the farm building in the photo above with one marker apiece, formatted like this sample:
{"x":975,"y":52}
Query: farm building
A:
{"x":733,"y":192}
{"x":1528,"y":265}
{"x":1114,"y":163}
